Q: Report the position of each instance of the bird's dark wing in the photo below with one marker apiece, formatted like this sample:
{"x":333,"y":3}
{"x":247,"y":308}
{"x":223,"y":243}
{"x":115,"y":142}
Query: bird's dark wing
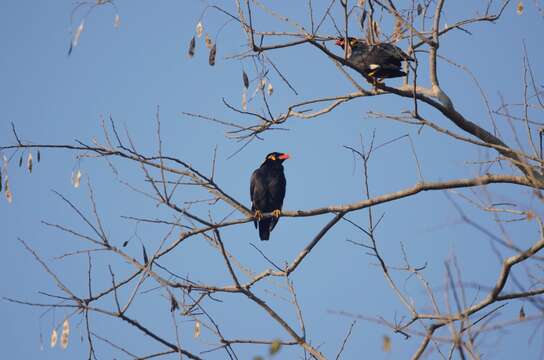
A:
{"x":393,"y":52}
{"x":255,"y":188}
{"x":277,"y":194}
{"x":378,"y":55}
{"x":252,"y":184}
{"x":359,"y":54}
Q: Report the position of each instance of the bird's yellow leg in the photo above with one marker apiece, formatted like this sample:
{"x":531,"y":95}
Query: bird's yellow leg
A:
{"x":376,"y":82}
{"x":258,"y":215}
{"x":276,"y":213}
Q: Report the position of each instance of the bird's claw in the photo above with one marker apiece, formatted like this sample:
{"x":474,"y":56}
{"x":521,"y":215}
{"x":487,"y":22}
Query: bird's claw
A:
{"x":258,"y":215}
{"x":276,"y":213}
{"x":376,"y":82}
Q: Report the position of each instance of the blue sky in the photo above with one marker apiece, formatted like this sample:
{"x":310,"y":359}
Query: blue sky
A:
{"x":127,"y":73}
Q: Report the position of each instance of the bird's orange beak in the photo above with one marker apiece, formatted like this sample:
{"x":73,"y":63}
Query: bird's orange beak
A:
{"x":284,"y":157}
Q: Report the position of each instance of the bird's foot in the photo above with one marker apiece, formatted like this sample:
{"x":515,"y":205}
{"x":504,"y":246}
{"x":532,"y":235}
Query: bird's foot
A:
{"x":258,"y":215}
{"x":276,"y":213}
{"x":375,"y":83}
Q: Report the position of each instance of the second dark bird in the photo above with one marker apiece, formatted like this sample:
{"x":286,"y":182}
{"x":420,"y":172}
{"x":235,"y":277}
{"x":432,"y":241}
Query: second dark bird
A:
{"x":379,"y":61}
{"x":267,"y":190}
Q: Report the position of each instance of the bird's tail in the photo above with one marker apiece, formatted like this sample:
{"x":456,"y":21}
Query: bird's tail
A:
{"x":264,"y":229}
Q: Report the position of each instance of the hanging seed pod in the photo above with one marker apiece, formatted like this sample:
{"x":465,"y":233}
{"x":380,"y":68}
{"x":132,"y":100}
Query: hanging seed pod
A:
{"x":386,"y":343}
{"x":199,"y":29}
{"x":196,"y":332}
{"x":21,"y":160}
{"x":65,"y":334}
{"x":39,"y":156}
{"x":66,"y":327}
{"x":76,"y":178}
{"x":146,"y":259}
{"x":64,"y":341}
{"x":208,"y":41}
{"x":213,"y":52}
{"x":117,"y":21}
{"x":521,"y":313}
{"x":53,"y":338}
{"x":0,"y":181}
{"x":192,"y":44}
{"x":8,"y":194}
{"x":77,"y":34}
{"x":29,"y":162}
{"x":274,"y":347}
{"x":245,"y":79}
{"x":419,"y":9}
{"x":270,"y":89}
{"x":519,"y":8}
{"x":75,"y":39}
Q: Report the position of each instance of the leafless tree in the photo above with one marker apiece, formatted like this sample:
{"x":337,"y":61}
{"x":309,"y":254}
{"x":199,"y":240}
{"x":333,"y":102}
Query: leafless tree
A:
{"x":448,"y":321}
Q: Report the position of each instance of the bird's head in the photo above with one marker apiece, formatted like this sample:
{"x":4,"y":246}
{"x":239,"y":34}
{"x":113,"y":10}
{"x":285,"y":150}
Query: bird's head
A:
{"x":276,"y":158}
{"x":342,"y":42}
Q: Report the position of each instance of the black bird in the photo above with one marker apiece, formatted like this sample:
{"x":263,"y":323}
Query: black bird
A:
{"x":379,"y":61}
{"x":267,"y":190}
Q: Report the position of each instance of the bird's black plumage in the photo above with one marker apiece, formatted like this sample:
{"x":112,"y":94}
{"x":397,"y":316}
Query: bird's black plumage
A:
{"x":267,"y":190}
{"x":383,"y":60}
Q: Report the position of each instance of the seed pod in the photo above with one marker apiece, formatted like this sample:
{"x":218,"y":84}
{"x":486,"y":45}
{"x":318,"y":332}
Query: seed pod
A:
{"x":386,"y":343}
{"x":519,"y":8}
{"x":76,"y":178}
{"x":77,"y":34}
{"x":21,"y":160}
{"x":419,"y":9}
{"x":53,"y":338}
{"x":213,"y":52}
{"x":192,"y":44}
{"x":64,"y":341}
{"x":117,"y":21}
{"x":196,"y":332}
{"x":146,"y":259}
{"x":29,"y":162}
{"x":39,"y":156}
{"x":270,"y":89}
{"x":274,"y":347}
{"x":199,"y":29}
{"x":65,"y":334}
{"x":208,"y":41}
{"x":245,"y":79}
{"x":8,"y":194}
{"x":66,"y":327}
